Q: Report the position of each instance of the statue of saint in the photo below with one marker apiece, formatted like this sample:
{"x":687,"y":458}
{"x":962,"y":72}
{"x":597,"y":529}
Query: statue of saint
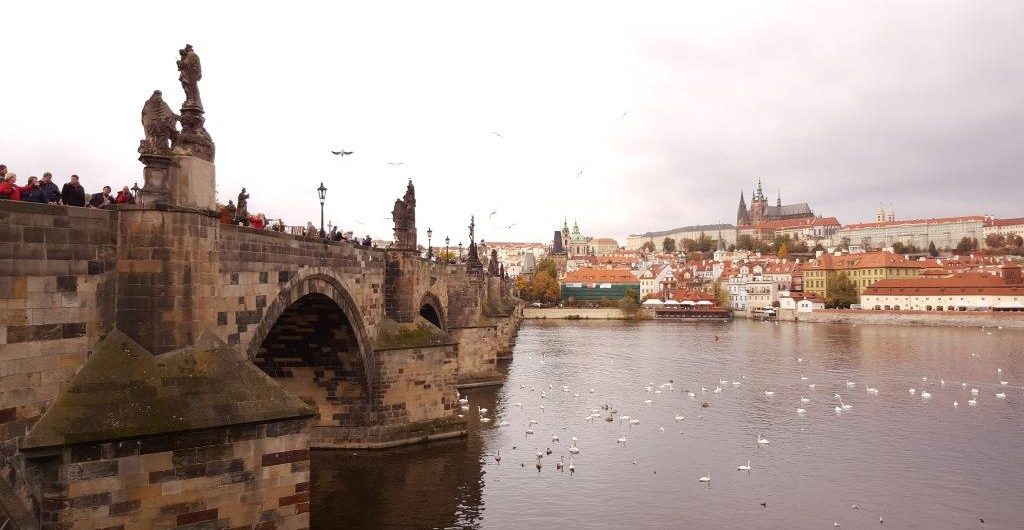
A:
{"x":158,"y":124}
{"x":242,"y":210}
{"x":472,"y":227}
{"x":191,"y":73}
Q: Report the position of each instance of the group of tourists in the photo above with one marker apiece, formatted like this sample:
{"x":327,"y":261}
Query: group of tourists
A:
{"x":45,"y":191}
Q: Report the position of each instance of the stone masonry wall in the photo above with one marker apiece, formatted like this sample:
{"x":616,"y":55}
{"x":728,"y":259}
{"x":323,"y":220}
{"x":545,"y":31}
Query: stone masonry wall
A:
{"x":249,"y":476}
{"x":409,"y":279}
{"x":417,"y":384}
{"x":256,"y":265}
{"x":56,"y":300}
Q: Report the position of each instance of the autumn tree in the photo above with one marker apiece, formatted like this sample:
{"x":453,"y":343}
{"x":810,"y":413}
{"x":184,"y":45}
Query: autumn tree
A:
{"x":783,"y":251}
{"x":668,"y":245}
{"x":648,"y":246}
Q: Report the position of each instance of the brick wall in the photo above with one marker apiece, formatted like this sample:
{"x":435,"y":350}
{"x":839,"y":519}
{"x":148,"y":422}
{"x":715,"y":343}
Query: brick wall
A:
{"x":56,"y":300}
{"x":250,"y":476}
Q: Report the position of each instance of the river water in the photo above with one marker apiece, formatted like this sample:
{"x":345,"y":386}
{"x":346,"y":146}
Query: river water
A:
{"x":915,"y":462}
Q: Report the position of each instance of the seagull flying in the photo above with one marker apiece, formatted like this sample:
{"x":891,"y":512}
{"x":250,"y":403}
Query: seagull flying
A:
{"x":511,"y":225}
{"x":394,"y":163}
{"x":498,"y":134}
{"x":341,"y":153}
{"x":492,"y":213}
{"x":579,"y":173}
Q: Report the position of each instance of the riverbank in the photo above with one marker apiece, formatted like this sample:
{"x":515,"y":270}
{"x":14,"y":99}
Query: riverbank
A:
{"x":571,"y":313}
{"x":965,"y":319}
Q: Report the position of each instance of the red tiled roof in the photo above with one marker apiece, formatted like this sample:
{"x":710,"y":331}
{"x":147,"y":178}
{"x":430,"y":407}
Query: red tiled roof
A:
{"x":1007,"y":222}
{"x":781,"y":224}
{"x":966,"y":283}
{"x":931,"y":221}
{"x":863,"y":261}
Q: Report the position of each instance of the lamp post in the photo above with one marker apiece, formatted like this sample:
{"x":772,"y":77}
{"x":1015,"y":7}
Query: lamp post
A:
{"x":447,"y":255}
{"x":430,"y":249}
{"x":135,"y":191}
{"x":460,"y":250}
{"x":323,"y":195}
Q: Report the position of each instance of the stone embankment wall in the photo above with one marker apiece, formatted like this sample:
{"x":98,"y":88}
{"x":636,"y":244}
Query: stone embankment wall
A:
{"x":607,"y":313}
{"x":909,"y":318}
{"x":57,"y":290}
{"x":251,"y":476}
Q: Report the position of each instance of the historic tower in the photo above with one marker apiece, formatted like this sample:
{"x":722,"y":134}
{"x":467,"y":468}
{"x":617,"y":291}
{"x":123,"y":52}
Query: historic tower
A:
{"x":742,"y":215}
{"x":758,"y":205}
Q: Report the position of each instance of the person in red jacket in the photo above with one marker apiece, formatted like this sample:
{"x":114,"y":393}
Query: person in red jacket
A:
{"x":257,"y":221}
{"x":9,"y":188}
{"x":124,"y":197}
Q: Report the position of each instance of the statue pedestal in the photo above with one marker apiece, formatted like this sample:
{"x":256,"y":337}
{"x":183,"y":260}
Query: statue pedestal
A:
{"x":194,"y":184}
{"x":157,"y":177}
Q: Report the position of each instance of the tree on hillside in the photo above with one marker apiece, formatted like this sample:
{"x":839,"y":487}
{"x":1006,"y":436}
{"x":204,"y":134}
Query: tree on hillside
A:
{"x":966,"y":245}
{"x":668,"y":245}
{"x":799,"y":247}
{"x":842,"y":292}
{"x":720,"y":293}
{"x":903,"y":248}
{"x":648,"y":246}
{"x":932,"y":251}
{"x":783,"y":251}
{"x":818,"y":247}
{"x":543,"y":285}
{"x":745,"y":242}
{"x":995,"y":241}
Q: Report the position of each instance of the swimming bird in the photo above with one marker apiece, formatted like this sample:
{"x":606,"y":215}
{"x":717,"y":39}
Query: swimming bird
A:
{"x":529,"y":431}
{"x":705,"y":478}
{"x":804,"y":400}
{"x":573,"y":449}
{"x":801,"y":411}
{"x":850,"y":384}
{"x":769,"y":393}
{"x":744,"y":468}
{"x":956,"y":404}
{"x":762,"y":440}
{"x":1004,"y":383}
{"x":912,"y":391}
{"x":485,"y":420}
{"x":622,"y":439}
{"x":925,"y":394}
{"x":554,"y":437}
{"x":539,"y":453}
{"x":974,"y":391}
{"x":679,"y":418}
{"x":1000,"y":395}
{"x":873,"y":391}
{"x":811,"y":386}
{"x":717,"y":390}
{"x":972,"y":402}
{"x":560,"y":463}
{"x":572,"y":467}
{"x":547,"y":451}
{"x":481,"y":410}
{"x":497,"y":457}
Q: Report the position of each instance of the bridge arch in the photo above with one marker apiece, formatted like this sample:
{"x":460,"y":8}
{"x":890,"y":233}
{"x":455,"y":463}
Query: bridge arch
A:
{"x":432,"y":310}
{"x":307,"y":287}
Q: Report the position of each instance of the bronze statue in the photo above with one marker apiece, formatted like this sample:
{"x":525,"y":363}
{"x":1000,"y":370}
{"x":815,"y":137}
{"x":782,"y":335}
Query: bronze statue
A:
{"x":158,"y":124}
{"x":242,"y":210}
{"x":191,"y":73}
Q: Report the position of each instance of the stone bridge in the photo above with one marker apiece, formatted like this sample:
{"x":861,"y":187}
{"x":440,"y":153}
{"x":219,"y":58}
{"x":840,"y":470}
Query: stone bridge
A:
{"x":374,"y":340}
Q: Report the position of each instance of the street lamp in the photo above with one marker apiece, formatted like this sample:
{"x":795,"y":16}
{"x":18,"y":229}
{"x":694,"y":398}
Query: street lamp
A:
{"x":323,"y":195}
{"x":447,"y":255}
{"x":135,"y":191}
{"x":430,"y":249}
{"x":460,"y":250}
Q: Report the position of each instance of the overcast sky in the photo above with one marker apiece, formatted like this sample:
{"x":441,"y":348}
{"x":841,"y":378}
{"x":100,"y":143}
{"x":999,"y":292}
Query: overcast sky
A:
{"x":671,"y":109}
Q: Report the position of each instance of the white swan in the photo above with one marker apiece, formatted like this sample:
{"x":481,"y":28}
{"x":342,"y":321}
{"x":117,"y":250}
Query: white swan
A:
{"x":804,"y":400}
{"x":974,"y":391}
{"x":481,"y":410}
{"x":956,"y":404}
{"x":912,"y":391}
{"x":1000,"y":395}
{"x":762,"y":440}
{"x":925,"y":394}
{"x":873,"y":391}
{"x":573,"y":449}
{"x":801,"y":411}
{"x":811,"y":386}
{"x":769,"y":393}
{"x":972,"y":402}
{"x":554,"y":437}
{"x":705,"y":478}
{"x":744,"y":468}
{"x":621,"y":439}
{"x":718,"y":390}
{"x":679,"y":418}
{"x":485,"y":420}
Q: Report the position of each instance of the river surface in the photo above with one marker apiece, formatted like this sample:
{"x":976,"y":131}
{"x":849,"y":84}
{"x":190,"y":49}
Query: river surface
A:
{"x":916,"y":462}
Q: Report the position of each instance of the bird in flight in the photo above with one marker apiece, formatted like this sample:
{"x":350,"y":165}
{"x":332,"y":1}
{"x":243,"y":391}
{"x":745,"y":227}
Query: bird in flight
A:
{"x":341,"y":153}
{"x":396,"y":163}
{"x":498,"y":134}
{"x":492,"y":213}
{"x":624,"y":112}
{"x":579,"y":173}
{"x":511,"y":225}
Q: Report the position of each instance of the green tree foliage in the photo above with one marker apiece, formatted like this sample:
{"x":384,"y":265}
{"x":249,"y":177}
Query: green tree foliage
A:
{"x":648,"y":247}
{"x":995,"y":241}
{"x":668,"y":245}
{"x":932,"y":251}
{"x":818,"y":247}
{"x":901,"y":248}
{"x":966,"y":245}
{"x":745,"y":242}
{"x":630,"y":303}
{"x":842,"y":292}
{"x":720,"y":293}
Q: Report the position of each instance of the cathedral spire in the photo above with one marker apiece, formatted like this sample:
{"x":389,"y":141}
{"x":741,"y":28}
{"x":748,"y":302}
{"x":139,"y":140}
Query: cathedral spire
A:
{"x":778,"y":200}
{"x":742,"y":214}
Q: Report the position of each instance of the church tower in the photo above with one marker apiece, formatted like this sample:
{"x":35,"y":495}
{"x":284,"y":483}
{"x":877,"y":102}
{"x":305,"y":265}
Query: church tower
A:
{"x":742,"y":215}
{"x":758,"y":205}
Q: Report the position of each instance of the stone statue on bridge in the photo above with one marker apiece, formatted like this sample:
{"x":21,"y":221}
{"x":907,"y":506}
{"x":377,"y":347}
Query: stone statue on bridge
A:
{"x":242,"y":209}
{"x":404,"y":216}
{"x":191,"y":72}
{"x":158,"y":123}
{"x":492,"y":264}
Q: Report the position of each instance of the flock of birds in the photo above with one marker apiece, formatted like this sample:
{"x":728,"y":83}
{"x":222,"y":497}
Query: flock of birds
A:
{"x":698,"y":397}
